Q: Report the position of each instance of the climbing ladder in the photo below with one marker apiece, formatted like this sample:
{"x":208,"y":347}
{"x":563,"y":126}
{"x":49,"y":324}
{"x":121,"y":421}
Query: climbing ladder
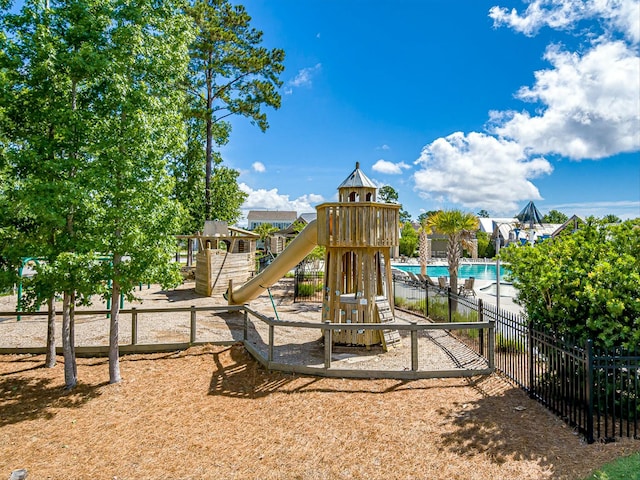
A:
{"x":390,"y":338}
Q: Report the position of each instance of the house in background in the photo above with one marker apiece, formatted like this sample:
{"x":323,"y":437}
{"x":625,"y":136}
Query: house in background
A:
{"x":280,"y":219}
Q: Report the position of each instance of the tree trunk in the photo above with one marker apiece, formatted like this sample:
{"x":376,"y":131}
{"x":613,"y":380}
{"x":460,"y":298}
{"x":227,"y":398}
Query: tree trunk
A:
{"x":72,"y":333}
{"x":70,"y":379}
{"x":50,"y":361}
{"x":209,"y":142}
{"x":422,"y":252}
{"x":114,"y":350}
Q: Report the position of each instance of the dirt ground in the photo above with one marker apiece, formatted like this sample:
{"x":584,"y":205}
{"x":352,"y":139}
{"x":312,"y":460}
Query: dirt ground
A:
{"x":214,"y":412}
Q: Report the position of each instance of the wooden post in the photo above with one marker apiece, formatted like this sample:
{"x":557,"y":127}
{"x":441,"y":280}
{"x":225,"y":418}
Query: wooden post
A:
{"x":192,"y":338}
{"x":414,"y":347}
{"x":271,"y":335}
{"x":245,"y":328}
{"x":134,"y":326}
{"x":327,"y":346}
{"x":189,"y":252}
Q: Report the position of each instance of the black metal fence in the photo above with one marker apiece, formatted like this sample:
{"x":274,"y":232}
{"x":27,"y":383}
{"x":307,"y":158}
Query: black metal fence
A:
{"x":308,"y":284}
{"x":597,"y":392}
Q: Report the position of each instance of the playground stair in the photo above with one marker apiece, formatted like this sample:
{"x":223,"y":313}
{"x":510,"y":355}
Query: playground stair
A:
{"x":390,"y":338}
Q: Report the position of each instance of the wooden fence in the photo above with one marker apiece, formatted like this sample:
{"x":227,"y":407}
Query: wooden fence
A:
{"x":254,"y":321}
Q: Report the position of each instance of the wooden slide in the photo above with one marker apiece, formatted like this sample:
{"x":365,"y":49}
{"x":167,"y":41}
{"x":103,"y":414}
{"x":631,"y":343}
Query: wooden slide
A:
{"x":299,"y":248}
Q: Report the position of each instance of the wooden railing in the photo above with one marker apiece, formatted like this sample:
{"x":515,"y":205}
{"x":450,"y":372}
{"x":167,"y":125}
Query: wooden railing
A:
{"x":253,"y":320}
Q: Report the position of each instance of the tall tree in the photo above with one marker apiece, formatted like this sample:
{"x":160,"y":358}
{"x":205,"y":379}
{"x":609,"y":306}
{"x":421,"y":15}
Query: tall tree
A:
{"x":230,"y":74}
{"x":457,"y":226}
{"x":408,"y":240}
{"x":141,"y":126}
{"x":388,"y":194}
{"x":483,"y":214}
{"x":48,"y":65}
{"x":554,"y":216}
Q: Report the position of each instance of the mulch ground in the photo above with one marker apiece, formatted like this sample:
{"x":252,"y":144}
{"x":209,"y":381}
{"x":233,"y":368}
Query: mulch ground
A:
{"x":213,"y":412}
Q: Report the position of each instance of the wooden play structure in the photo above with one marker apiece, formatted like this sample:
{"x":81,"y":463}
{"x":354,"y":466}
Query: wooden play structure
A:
{"x":359,"y":235}
{"x":225,"y":253}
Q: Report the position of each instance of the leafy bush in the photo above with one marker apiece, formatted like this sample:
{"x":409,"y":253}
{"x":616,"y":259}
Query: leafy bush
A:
{"x":583,"y":284}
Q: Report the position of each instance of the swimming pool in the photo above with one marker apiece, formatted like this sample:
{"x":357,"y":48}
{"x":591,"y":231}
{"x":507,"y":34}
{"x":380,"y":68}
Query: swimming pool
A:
{"x":480,"y":271}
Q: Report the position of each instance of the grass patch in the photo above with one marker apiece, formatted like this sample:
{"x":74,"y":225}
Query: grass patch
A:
{"x":306,"y":289}
{"x":624,"y":468}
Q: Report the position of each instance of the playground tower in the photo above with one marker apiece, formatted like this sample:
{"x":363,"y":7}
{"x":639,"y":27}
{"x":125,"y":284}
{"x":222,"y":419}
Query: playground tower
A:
{"x":359,"y":235}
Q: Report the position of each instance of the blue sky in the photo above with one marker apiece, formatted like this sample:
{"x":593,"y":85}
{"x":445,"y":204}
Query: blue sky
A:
{"x":466,"y":104}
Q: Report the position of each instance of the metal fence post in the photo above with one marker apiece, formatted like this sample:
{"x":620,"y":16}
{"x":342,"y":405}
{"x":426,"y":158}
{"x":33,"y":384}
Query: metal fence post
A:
{"x":449,"y":302}
{"x":134,"y":326}
{"x":481,"y":331}
{"x":492,"y":344}
{"x":531,"y":362}
{"x":327,"y":345}
{"x":192,"y":337}
{"x":589,"y":393}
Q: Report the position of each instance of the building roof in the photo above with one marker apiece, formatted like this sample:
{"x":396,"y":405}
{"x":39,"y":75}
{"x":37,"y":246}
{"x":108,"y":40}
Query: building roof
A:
{"x":357,"y":179}
{"x":305,"y":218}
{"x":271,"y":215}
{"x":572,"y":223}
{"x":308,"y":217}
{"x":488,"y":225}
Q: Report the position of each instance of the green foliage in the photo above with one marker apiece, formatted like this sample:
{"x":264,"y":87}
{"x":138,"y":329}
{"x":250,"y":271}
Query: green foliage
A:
{"x":408,"y":240}
{"x":457,"y":226}
{"x":483,"y":214}
{"x":265,"y":230}
{"x":404,"y":216}
{"x":422,"y":218}
{"x":505,"y":344}
{"x":554,"y":216}
{"x":229,"y":74}
{"x":611,"y":218}
{"x":388,"y":194}
{"x":486,"y":248}
{"x":623,"y":468}
{"x":307,"y":289}
{"x":317,"y":253}
{"x":226,"y":196}
{"x":583,"y":284}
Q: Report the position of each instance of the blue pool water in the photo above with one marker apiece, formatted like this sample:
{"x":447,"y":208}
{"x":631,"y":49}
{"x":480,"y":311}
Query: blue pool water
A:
{"x":481,"y":271}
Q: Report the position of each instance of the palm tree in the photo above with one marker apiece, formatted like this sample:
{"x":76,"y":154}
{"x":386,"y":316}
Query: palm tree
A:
{"x":457,"y":225}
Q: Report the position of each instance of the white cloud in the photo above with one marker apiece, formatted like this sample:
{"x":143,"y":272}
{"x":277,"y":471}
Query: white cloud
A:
{"x":591,"y":105}
{"x":613,"y":15}
{"x":261,"y":199}
{"x":258,"y":167}
{"x":383,"y":147}
{"x":305,"y":76}
{"x":586,"y":106}
{"x":478,"y":171}
{"x":390,"y":168}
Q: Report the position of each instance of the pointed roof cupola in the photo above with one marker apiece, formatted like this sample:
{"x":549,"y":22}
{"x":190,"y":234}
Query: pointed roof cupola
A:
{"x":357,"y":188}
